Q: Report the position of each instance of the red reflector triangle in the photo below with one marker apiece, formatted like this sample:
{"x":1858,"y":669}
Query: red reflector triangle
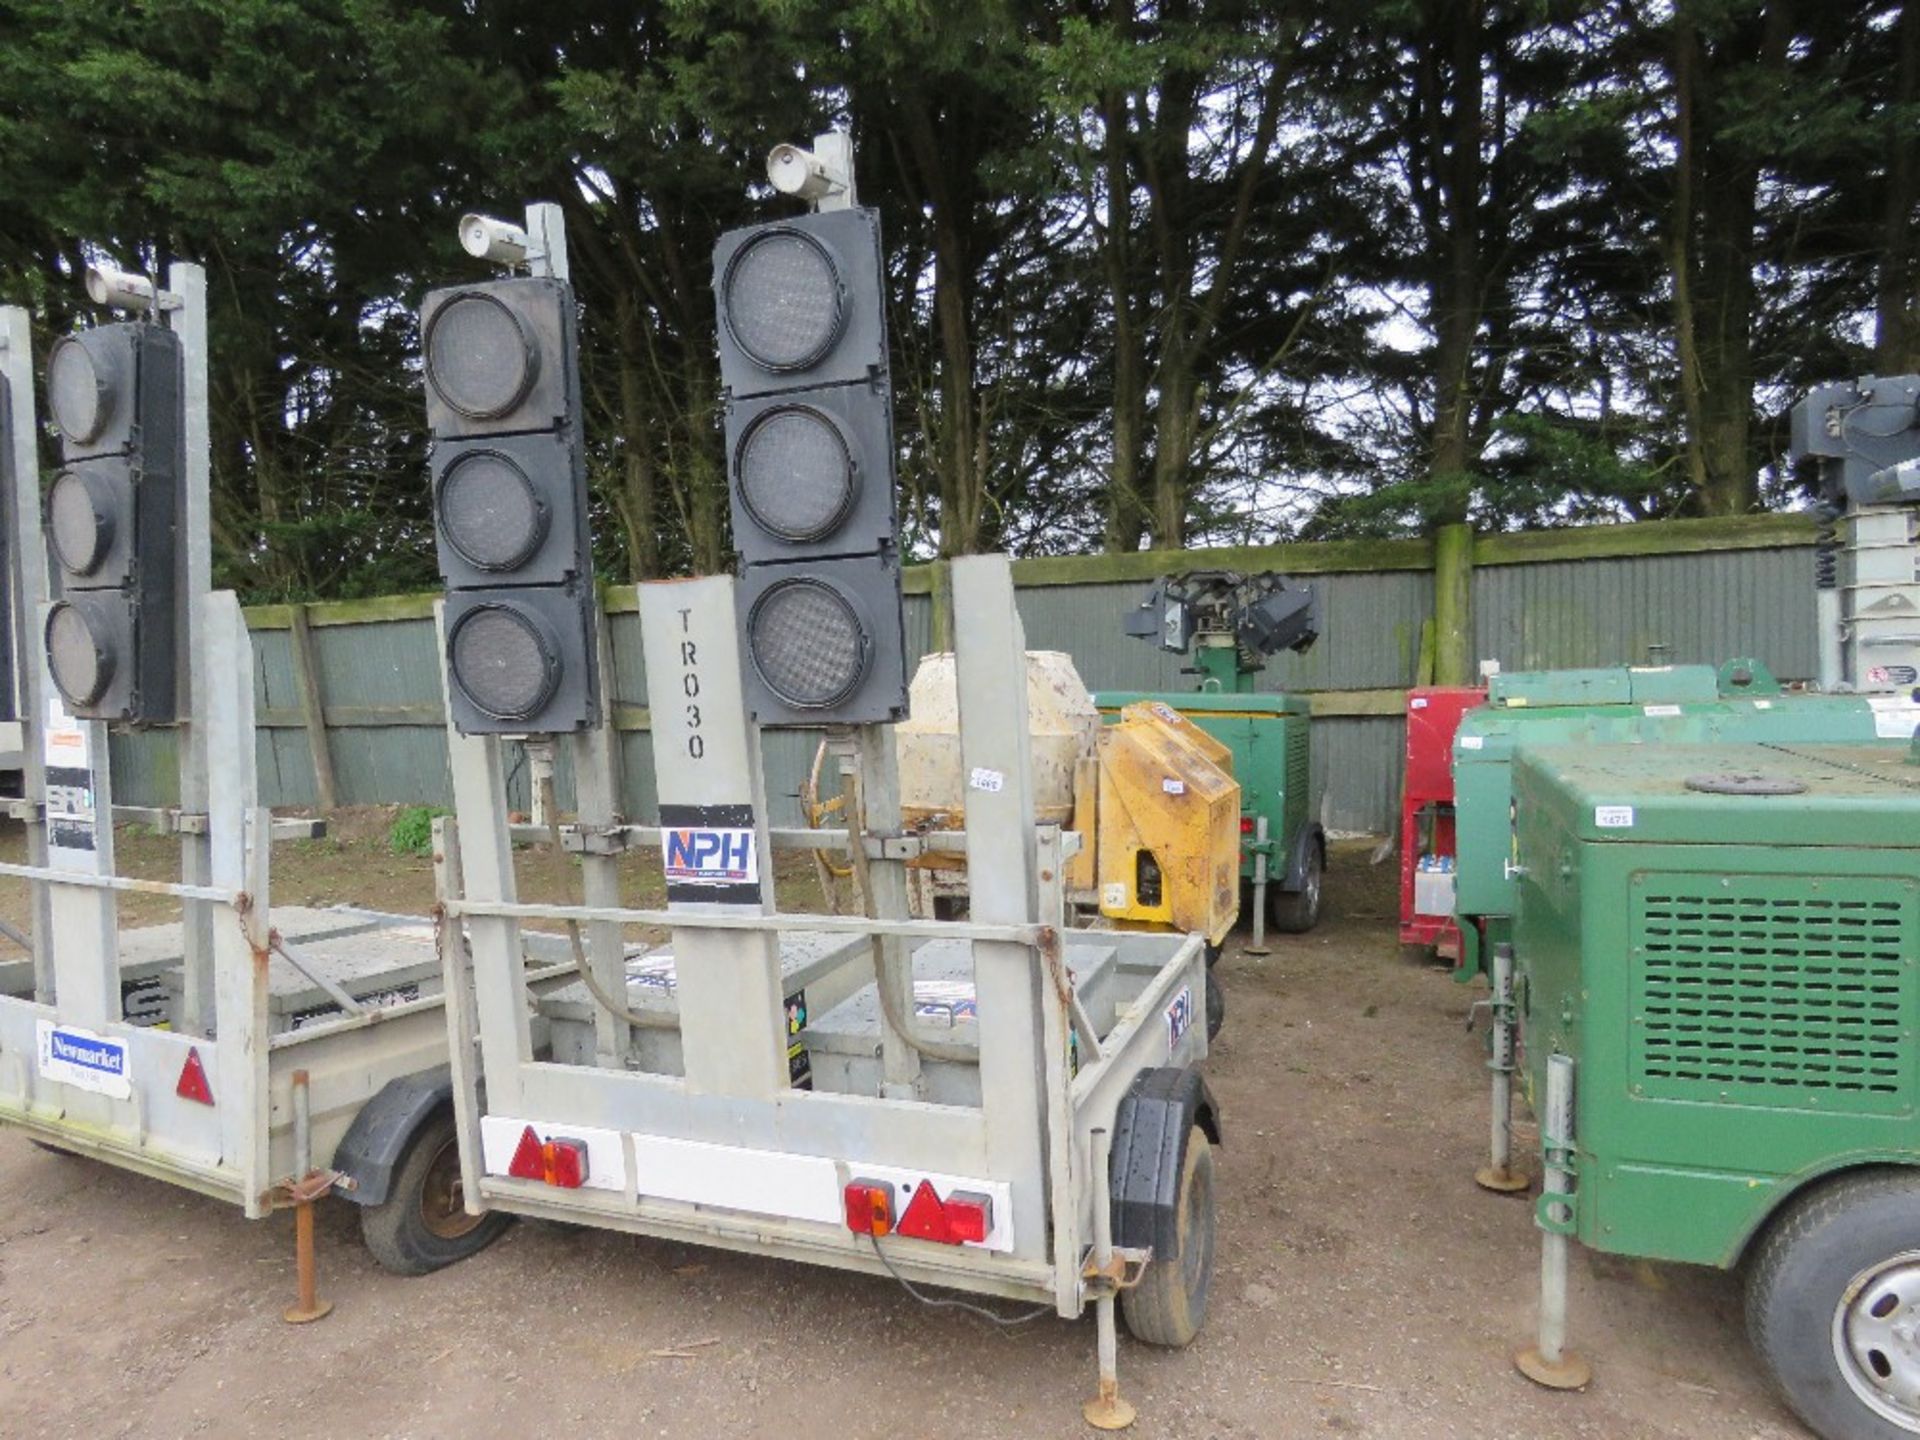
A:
{"x":926,"y":1217}
{"x":193,"y":1079}
{"x":528,"y":1162}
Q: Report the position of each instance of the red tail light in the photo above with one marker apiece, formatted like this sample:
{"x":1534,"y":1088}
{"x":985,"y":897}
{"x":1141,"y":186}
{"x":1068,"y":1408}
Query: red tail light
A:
{"x":193,"y":1080}
{"x":869,"y":1207}
{"x":1246,"y":824}
{"x":553,"y":1162}
{"x":962,"y":1217}
{"x":969,"y":1217}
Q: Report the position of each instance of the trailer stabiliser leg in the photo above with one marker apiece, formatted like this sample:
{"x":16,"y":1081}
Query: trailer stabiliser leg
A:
{"x":1258,"y":945}
{"x":301,"y":1193}
{"x":1498,"y":1173}
{"x":1107,"y":1410}
{"x":1548,"y":1362}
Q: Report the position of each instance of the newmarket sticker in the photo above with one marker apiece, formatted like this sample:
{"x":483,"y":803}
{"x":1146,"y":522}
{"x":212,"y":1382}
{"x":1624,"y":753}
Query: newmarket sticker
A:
{"x":83,"y":1059}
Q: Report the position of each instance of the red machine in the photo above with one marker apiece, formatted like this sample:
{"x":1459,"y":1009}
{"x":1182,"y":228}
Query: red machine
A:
{"x":1426,"y":816}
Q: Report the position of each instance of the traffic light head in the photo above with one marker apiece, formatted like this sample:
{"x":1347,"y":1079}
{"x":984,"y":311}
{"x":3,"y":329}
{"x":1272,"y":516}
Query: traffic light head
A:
{"x":809,"y":431}
{"x":116,"y":395}
{"x":824,"y":641}
{"x":510,"y":506}
{"x":500,"y":358}
{"x":812,"y":473}
{"x":515,"y":661}
{"x":802,"y":303}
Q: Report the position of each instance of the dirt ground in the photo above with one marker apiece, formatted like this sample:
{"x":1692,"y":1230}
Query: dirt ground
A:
{"x":1364,"y":1286}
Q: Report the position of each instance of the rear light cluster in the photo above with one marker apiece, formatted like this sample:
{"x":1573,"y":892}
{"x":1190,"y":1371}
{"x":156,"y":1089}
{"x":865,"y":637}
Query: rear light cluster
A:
{"x":962,"y":1218}
{"x":870,"y":1208}
{"x":553,"y":1162}
{"x":1246,"y":824}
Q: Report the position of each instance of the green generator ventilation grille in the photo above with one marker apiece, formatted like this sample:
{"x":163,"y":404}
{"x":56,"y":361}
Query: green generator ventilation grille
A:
{"x":1299,"y":774}
{"x":1780,"y":990}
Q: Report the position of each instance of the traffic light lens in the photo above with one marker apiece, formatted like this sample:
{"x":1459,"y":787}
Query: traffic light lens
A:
{"x":490,"y":513}
{"x":80,"y":521}
{"x":783,"y":300}
{"x":76,"y":392}
{"x":808,"y":643}
{"x":480,"y":358}
{"x":82,"y":667}
{"x":796,"y":475}
{"x":505,"y":661}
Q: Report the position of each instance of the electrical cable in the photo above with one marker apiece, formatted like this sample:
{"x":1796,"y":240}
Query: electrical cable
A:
{"x":937,"y":1302}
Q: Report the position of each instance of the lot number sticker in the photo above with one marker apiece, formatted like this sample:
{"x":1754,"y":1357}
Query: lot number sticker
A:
{"x":1613,"y":817}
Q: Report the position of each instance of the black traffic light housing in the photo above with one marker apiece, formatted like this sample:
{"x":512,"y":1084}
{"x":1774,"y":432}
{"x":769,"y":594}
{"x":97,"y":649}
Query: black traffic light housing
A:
{"x":116,"y":394}
{"x":810,"y":468}
{"x":510,"y":506}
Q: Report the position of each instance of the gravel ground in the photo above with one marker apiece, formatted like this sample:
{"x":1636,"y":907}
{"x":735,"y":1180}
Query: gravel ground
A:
{"x":1364,"y":1286}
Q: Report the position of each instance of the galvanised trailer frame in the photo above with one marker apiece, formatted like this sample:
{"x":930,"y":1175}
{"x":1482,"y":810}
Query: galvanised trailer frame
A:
{"x":1086,"y":1125}
{"x":222,"y":1100}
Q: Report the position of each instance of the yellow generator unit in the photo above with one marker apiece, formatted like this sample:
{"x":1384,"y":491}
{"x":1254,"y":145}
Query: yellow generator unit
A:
{"x":1152,"y":797}
{"x":1168,"y":823}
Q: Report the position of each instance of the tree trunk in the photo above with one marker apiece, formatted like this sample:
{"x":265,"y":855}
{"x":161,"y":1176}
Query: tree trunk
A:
{"x":1458,"y":285}
{"x":1712,"y":250}
{"x":1127,"y":511}
{"x":958,"y":449}
{"x":635,"y":497}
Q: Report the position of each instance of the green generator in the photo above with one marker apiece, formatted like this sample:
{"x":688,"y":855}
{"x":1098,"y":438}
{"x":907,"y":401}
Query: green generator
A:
{"x":1230,"y":624}
{"x":1715,"y":986}
{"x":1617,"y":705}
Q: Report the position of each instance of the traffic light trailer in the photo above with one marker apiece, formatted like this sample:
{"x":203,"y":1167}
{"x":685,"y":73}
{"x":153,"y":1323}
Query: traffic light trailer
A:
{"x":264,"y":1057}
{"x":1063,"y":1158}
{"x":997,"y":1105}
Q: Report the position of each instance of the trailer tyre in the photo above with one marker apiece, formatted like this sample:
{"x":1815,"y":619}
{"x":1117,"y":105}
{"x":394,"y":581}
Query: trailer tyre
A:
{"x":421,"y":1225}
{"x":1833,"y":1302}
{"x":1294,"y":912}
{"x":1169,"y":1305}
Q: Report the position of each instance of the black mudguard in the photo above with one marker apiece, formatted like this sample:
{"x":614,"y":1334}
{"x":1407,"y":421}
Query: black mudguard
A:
{"x":1150,"y":1130}
{"x":375,"y":1143}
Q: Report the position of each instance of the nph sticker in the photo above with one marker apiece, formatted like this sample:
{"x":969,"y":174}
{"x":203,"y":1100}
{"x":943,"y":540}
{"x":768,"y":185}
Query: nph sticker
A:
{"x":1179,"y":1016}
{"x":710,"y":857}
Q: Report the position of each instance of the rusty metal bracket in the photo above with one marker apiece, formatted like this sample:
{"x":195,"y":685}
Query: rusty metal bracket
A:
{"x":315,"y":1185}
{"x":1126,"y":1270}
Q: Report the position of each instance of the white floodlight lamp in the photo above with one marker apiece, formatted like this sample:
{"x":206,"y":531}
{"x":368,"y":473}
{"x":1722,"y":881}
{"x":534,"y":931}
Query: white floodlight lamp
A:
{"x":806,"y":174}
{"x":119,"y":289}
{"x":500,"y":241}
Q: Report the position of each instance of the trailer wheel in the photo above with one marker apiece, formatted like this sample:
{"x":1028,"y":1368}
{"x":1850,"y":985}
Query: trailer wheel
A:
{"x":1216,"y":1005}
{"x":1833,"y":1306}
{"x":422,"y":1224}
{"x":1169,"y":1305}
{"x":1294,"y":912}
